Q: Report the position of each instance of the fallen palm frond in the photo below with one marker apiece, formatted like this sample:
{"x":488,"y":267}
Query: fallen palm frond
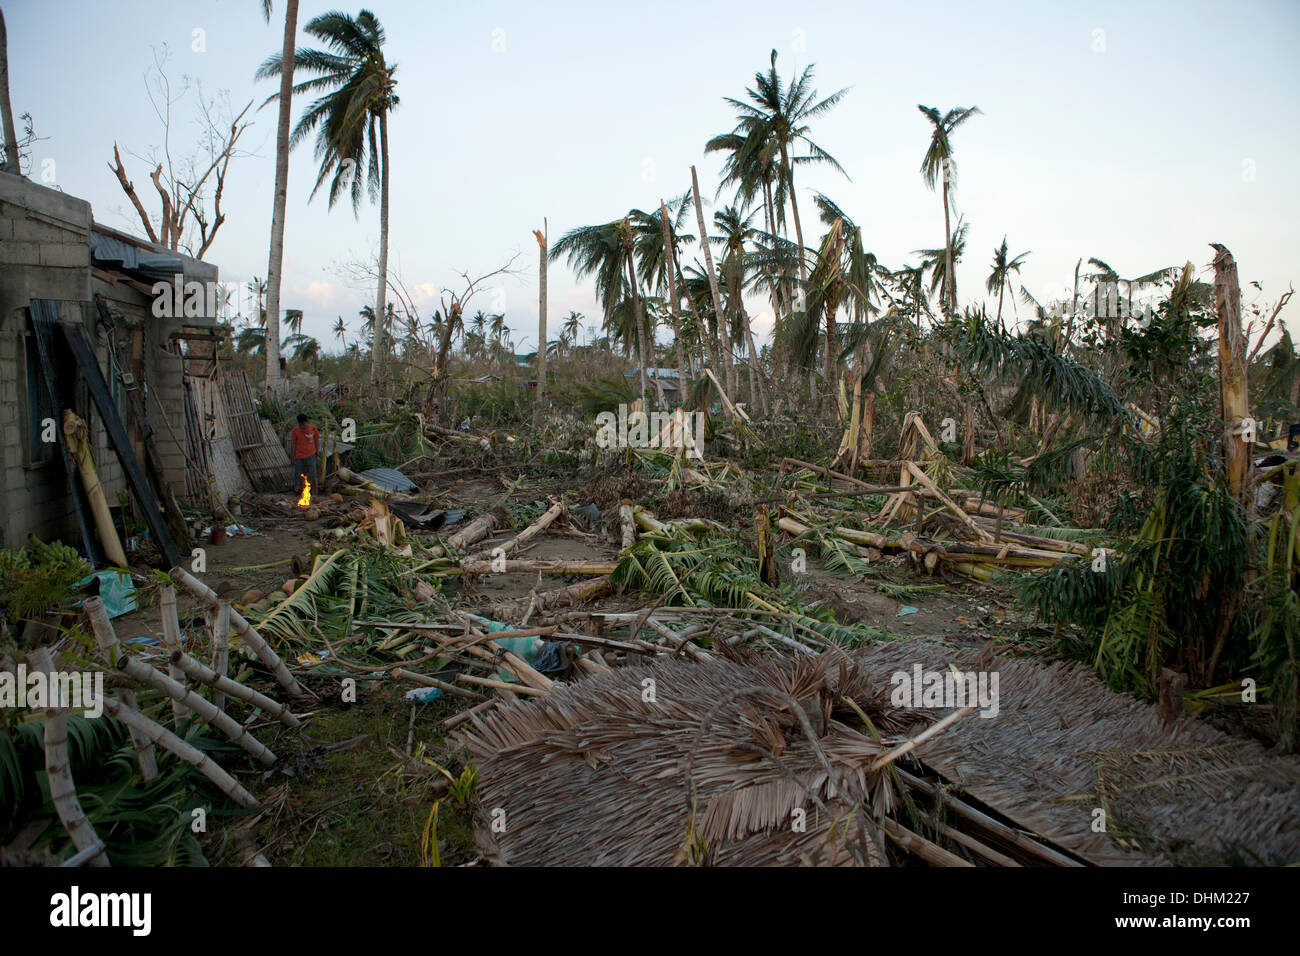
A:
{"x":695,"y":563}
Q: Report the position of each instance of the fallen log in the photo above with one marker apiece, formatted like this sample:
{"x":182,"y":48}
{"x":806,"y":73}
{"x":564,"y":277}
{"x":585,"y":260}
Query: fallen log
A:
{"x":532,"y":531}
{"x":539,"y":565}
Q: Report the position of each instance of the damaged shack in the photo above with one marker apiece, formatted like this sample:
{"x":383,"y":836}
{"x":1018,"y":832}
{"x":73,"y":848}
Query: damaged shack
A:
{"x":147,"y":317}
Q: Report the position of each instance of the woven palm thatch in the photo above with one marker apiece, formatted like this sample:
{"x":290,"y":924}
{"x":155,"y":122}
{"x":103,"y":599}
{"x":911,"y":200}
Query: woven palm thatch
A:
{"x":596,"y":774}
{"x":1063,"y":745}
{"x":710,"y":767}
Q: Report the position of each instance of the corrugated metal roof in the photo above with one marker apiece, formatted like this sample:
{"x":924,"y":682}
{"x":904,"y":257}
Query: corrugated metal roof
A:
{"x":111,"y":249}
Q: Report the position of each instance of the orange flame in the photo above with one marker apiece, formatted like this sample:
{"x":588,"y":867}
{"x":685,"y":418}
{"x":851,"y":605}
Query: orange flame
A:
{"x":305,"y":500}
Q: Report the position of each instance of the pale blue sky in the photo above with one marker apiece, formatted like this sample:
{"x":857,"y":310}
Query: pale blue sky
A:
{"x":1138,"y":153}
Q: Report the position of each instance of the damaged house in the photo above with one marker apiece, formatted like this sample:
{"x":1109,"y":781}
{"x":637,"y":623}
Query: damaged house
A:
{"x":82,"y":329}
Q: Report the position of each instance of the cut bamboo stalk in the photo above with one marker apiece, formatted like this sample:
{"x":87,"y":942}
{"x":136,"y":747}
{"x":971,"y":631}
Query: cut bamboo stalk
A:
{"x":858,"y":482}
{"x":223,"y":684}
{"x":968,"y":841}
{"x":77,"y":437}
{"x":909,"y":745}
{"x":164,"y":738}
{"x":501,"y":685}
{"x":1016,"y":838}
{"x":205,"y":710}
{"x":82,"y":857}
{"x":247,"y":633}
{"x":221,"y":653}
{"x":426,"y":681}
{"x":172,"y":641}
{"x":111,"y":650}
{"x":58,"y":772}
{"x":915,"y":843}
{"x":455,"y":720}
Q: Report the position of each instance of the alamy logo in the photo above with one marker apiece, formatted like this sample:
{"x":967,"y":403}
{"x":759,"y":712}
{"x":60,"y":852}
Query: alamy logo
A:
{"x":74,"y":690}
{"x":945,"y":689}
{"x":666,"y":430}
{"x":75,"y":908}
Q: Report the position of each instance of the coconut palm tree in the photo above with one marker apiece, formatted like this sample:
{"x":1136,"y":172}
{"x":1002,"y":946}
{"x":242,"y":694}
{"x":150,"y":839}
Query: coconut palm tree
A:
{"x":940,"y":262}
{"x":6,"y":110}
{"x":350,"y":120}
{"x":257,"y":288}
{"x":608,"y":251}
{"x":250,"y":341}
{"x":773,"y":123}
{"x":293,"y":319}
{"x":1000,"y":277}
{"x":572,"y":327}
{"x":279,"y":198}
{"x":340,"y":330}
{"x":938,"y":162}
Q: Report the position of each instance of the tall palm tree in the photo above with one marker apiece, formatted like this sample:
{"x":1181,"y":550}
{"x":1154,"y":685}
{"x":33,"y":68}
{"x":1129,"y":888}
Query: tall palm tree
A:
{"x":938,"y":162}
{"x":257,"y":289}
{"x":350,"y":120}
{"x":340,"y":330}
{"x":279,"y":199}
{"x":293,"y":319}
{"x":1001,"y":274}
{"x":6,"y":110}
{"x":772,"y":123}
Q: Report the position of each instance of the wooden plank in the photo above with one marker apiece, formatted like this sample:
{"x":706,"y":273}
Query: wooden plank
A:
{"x":44,"y":314}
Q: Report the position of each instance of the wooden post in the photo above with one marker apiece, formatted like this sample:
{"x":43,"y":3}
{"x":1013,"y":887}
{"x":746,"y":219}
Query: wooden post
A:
{"x":1234,"y":402}
{"x":767,"y":570}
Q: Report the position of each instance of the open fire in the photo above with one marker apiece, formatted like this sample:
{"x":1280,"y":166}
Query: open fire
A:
{"x":305,"y":500}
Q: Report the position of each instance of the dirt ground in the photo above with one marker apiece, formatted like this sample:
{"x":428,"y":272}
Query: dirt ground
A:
{"x":382,"y":744}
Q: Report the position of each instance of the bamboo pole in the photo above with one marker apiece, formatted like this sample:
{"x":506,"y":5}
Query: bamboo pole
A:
{"x":58,"y":772}
{"x":220,"y":683}
{"x":247,"y":633}
{"x":78,"y":439}
{"x":169,"y":741}
{"x":915,"y":843}
{"x":111,"y":650}
{"x":501,"y":685}
{"x":171,"y":640}
{"x":626,"y":523}
{"x":426,"y":681}
{"x":221,"y":651}
{"x":205,"y":710}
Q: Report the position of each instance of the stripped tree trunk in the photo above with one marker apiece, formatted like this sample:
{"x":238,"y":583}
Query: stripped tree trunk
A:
{"x":539,"y":403}
{"x":275,"y":260}
{"x":713,"y":276}
{"x":380,"y":343}
{"x":63,"y":792}
{"x":1234,"y":402}
{"x":637,"y":314}
{"x":670,"y":268}
{"x":948,"y":285}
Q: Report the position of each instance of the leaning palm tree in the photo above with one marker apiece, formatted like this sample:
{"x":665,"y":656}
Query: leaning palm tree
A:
{"x":938,"y":162}
{"x":771,"y":124}
{"x":279,"y":198}
{"x":350,"y":121}
{"x":1000,"y":277}
{"x":340,"y":330}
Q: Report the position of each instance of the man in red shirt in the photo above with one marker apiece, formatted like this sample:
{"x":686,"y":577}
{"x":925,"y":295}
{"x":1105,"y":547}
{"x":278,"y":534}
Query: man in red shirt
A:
{"x":306,"y":450}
